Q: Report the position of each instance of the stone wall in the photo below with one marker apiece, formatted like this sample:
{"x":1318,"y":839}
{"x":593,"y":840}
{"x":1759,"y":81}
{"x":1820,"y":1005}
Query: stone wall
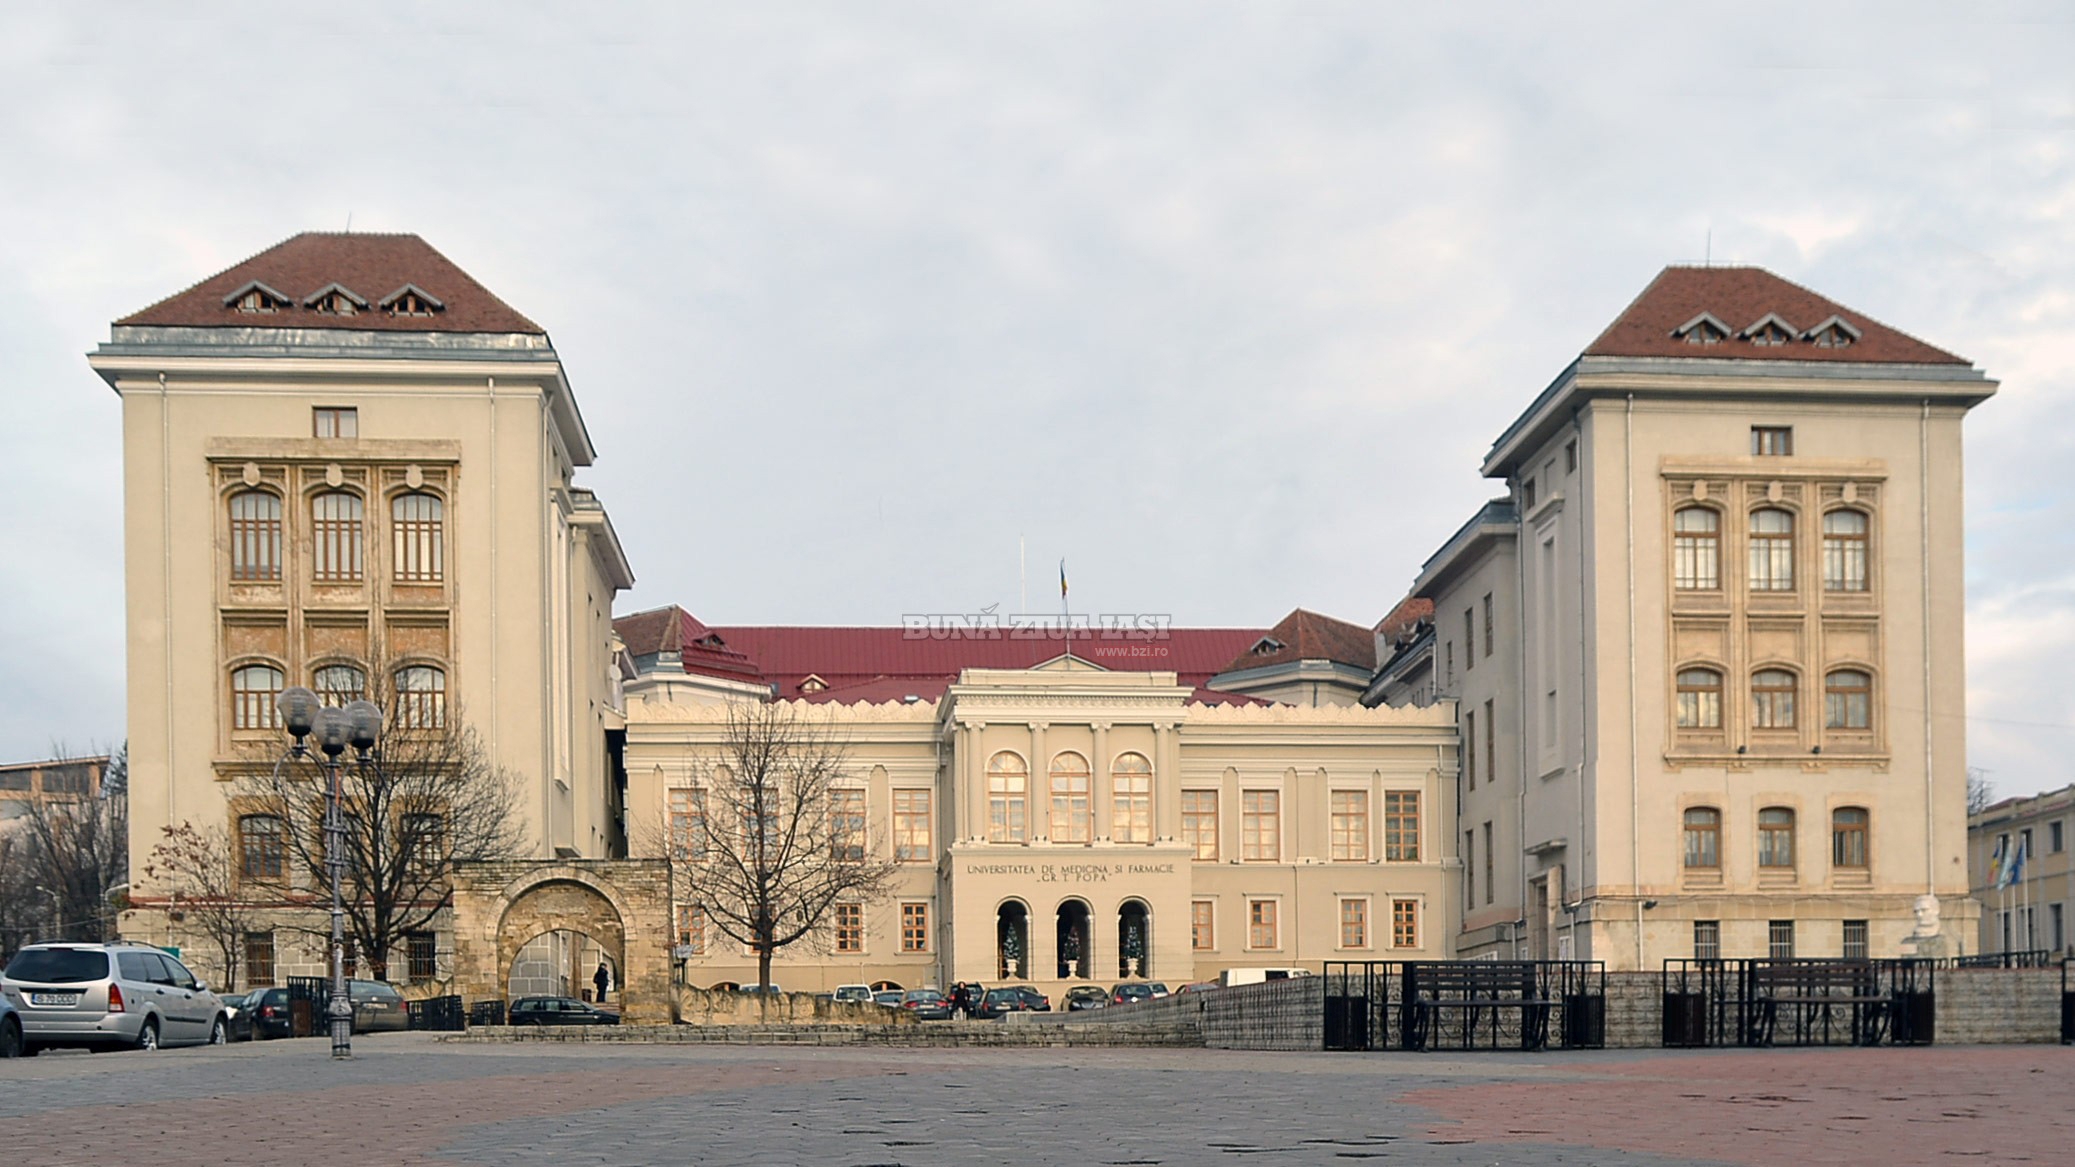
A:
{"x":708,"y":1007}
{"x":929,"y":1034}
{"x":1980,"y":1005}
{"x":1273,"y":1015}
{"x":622,"y":904}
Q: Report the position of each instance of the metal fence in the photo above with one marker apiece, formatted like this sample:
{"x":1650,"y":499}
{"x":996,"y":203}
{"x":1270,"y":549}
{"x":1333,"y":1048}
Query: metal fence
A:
{"x":1798,"y":1002}
{"x":2067,"y":1004}
{"x":1465,"y":1004}
{"x":308,"y":1000}
{"x":2029,"y":958}
{"x":438,"y":1013}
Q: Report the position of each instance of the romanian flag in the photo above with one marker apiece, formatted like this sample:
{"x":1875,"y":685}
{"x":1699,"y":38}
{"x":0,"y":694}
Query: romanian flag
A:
{"x":1996,"y":861}
{"x":1062,"y":579}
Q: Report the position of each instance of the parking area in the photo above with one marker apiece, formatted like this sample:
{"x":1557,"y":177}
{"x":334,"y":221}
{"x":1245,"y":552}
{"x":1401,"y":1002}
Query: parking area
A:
{"x":407,"y":1099}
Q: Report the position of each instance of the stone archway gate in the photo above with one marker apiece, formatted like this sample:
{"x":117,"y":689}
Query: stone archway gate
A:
{"x":623,"y":904}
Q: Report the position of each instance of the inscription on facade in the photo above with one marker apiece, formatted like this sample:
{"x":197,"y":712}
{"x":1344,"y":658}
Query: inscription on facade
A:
{"x":1071,"y":872}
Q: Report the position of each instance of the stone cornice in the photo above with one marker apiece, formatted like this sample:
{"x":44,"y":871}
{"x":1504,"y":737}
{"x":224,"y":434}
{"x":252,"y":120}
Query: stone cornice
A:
{"x":716,"y":713}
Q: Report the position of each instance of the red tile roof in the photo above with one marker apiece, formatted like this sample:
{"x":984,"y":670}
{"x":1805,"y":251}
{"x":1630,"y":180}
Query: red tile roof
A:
{"x":1304,"y":635}
{"x":1403,"y":618}
{"x":887,"y":664}
{"x":1740,"y":297}
{"x":371,"y":266}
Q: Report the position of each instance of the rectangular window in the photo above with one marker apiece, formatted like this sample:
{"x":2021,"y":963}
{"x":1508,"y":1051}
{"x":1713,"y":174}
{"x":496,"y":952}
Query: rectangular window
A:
{"x":1570,"y":456}
{"x":421,"y":956}
{"x":1200,"y":823}
{"x":1401,"y":826}
{"x":1772,"y":551}
{"x":1848,"y":837}
{"x":1527,"y":495}
{"x":1470,"y":748}
{"x":1073,"y":815}
{"x":255,"y":536}
{"x":2054,"y":842}
{"x":1488,"y":880}
{"x":847,"y":826}
{"x":2060,"y":940}
{"x":1351,"y":825}
{"x":1203,"y":936}
{"x":1855,"y":940}
{"x":1491,"y":752}
{"x":418,"y":527}
{"x":850,"y":927}
{"x":259,"y":959}
{"x":1261,"y":826}
{"x":1487,"y":623}
{"x":1703,"y":838}
{"x":691,"y":928}
{"x":1354,"y":923}
{"x":1707,"y":939}
{"x":1469,"y":639}
{"x":1779,"y":936}
{"x":688,"y":823}
{"x":1772,"y":441}
{"x":1260,"y":924}
{"x":332,"y":421}
{"x":1775,"y":838}
{"x":336,"y":523}
{"x":1470,"y":866}
{"x":1696,"y":549}
{"x":1404,"y":923}
{"x":914,"y":927}
{"x":1449,"y":657}
{"x":911,"y":826}
{"x":1131,"y":800}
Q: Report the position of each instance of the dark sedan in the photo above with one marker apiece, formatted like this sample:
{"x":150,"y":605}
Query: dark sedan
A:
{"x":557,"y":1011}
{"x":268,"y":1009}
{"x":238,"y":1020}
{"x":1082,"y":997}
{"x":926,"y":1005}
{"x":1016,"y":999}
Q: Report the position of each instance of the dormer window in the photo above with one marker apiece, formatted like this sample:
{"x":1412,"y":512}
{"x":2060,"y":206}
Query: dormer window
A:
{"x":1702,"y":329}
{"x":813,"y":684}
{"x":1267,"y":646}
{"x":411,"y":300}
{"x":335,"y":300}
{"x":256,"y":298}
{"x":1835,"y":332}
{"x":1770,"y":331}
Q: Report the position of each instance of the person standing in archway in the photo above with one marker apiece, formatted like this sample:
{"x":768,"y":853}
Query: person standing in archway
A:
{"x":603,"y":979}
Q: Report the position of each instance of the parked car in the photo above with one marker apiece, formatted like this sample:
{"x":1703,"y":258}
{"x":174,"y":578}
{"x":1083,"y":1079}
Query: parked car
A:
{"x":926,"y":1004}
{"x":239,"y":1017}
{"x":1033,"y":1001}
{"x":891,"y":998}
{"x":995,"y":1004}
{"x":965,"y":997}
{"x":1131,"y":993}
{"x":1197,"y":987}
{"x":268,"y":1010}
{"x":377,"y":1007}
{"x":558,"y":1011}
{"x":109,"y":996}
{"x":1082,"y":997}
{"x":1159,"y":988}
{"x":855,"y":994}
{"x":10,"y":1030}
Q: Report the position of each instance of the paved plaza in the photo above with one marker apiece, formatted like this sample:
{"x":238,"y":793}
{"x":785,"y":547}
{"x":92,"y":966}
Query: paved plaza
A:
{"x":407,"y":1099}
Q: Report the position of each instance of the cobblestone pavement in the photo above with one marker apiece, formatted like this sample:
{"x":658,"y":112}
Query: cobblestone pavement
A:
{"x":407,"y":1100}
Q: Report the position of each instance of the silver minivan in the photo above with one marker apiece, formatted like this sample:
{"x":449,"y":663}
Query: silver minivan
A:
{"x":110,"y":996}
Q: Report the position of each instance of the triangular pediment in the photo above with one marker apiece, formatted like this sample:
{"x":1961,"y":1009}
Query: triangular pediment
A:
{"x":1067,"y":662}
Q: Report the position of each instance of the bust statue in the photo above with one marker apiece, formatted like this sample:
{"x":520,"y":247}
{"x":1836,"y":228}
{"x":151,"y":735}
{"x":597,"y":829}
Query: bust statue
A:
{"x":1926,"y":909}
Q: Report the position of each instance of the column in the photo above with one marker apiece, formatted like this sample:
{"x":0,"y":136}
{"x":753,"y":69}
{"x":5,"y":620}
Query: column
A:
{"x":1100,"y":791}
{"x":1040,"y":792}
{"x":1167,"y":780}
{"x":969,"y":773}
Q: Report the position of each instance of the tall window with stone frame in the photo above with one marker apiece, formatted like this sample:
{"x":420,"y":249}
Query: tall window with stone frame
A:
{"x":850,"y":927}
{"x":1401,"y":826}
{"x":336,"y":528}
{"x":1470,"y":748}
{"x":1844,"y":551}
{"x":254,"y":689}
{"x":421,"y":956}
{"x":1131,"y":799}
{"x":262,"y":847}
{"x":1072,"y":816}
{"x":1260,"y":826}
{"x":1847,"y":699}
{"x":339,"y":685}
{"x":1772,"y":550}
{"x":688,"y":839}
{"x":1848,"y":835}
{"x":1855,"y":946}
{"x":1490,"y":881}
{"x":1404,"y":923}
{"x":1776,"y":839}
{"x":1487,"y":624}
{"x":1261,"y":926}
{"x":911,"y":826}
{"x":914,"y":927}
{"x":847,"y":825}
{"x":1699,"y":699}
{"x":1008,"y":784}
{"x":1779,"y":935}
{"x":1469,"y":866}
{"x":255,"y":537}
{"x":426,"y":836}
{"x":1491,"y":747}
{"x":418,"y":523}
{"x":1696,"y":549}
{"x":1703,"y":833}
{"x":1200,"y":824}
{"x":1707,"y":939}
{"x":421,"y":697}
{"x":259,"y":959}
{"x":1203,"y":935}
{"x":1469,"y":639}
{"x":1772,"y":699}
{"x":691,"y":928}
{"x":1350,"y":826}
{"x":1354,"y":922}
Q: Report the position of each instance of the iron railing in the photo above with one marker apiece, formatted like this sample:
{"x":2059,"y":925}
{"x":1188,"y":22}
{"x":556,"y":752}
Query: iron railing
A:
{"x":1465,"y":1004}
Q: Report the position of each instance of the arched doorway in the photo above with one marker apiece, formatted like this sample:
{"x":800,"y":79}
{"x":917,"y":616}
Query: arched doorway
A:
{"x":1074,"y":940}
{"x":564,"y":962}
{"x":886,"y":986}
{"x":554,"y":936}
{"x":1134,"y":939}
{"x":1011,"y":940}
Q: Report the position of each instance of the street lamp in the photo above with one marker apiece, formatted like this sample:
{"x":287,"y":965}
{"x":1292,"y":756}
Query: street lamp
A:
{"x":358,"y":725}
{"x":57,"y":911}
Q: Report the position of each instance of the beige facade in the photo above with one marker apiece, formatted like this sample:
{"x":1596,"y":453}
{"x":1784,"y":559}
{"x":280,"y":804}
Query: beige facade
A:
{"x":2035,"y":910}
{"x":319,"y":487}
{"x":1724,"y":589}
{"x":1266,"y":837}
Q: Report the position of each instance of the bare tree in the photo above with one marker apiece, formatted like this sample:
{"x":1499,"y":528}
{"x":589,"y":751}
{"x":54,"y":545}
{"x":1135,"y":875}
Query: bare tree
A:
{"x":1981,"y":793}
{"x":196,"y":872}
{"x":79,"y":853}
{"x":431,"y":796}
{"x":775,"y":840}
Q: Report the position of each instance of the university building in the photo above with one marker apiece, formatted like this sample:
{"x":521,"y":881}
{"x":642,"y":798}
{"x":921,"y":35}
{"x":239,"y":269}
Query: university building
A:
{"x":1705,"y":652}
{"x":2024,"y":879}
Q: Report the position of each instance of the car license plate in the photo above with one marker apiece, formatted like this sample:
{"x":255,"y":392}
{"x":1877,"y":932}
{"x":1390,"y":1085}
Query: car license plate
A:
{"x":54,"y":999}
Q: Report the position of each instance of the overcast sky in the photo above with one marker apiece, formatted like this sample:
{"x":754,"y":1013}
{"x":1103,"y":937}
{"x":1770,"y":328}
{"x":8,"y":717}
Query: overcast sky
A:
{"x":1222,"y":303}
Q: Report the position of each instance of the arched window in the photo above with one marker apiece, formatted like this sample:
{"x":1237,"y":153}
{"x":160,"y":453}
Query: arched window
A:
{"x":421,"y":697}
{"x":1131,"y":799}
{"x":1847,"y":700}
{"x":1696,"y":549}
{"x":253,"y":691}
{"x":1008,"y":785}
{"x":1703,"y":837}
{"x":1772,"y":550}
{"x":255,"y":536}
{"x":419,"y":521}
{"x":335,"y":529}
{"x":1700,"y":699}
{"x":261,"y":853}
{"x":339,"y":684}
{"x":1071,"y":816}
{"x":1776,"y":837}
{"x":1772,"y":699}
{"x":1848,"y":836}
{"x":1844,"y":551}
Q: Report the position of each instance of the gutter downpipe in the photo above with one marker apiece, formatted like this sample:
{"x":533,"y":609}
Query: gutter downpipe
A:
{"x":166,"y":579}
{"x":1924,"y":557}
{"x":1520,"y":812}
{"x":1635,"y":792}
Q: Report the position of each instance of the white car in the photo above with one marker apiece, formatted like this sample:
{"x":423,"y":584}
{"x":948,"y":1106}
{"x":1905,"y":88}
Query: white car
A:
{"x":110,"y":996}
{"x":856,"y":994}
